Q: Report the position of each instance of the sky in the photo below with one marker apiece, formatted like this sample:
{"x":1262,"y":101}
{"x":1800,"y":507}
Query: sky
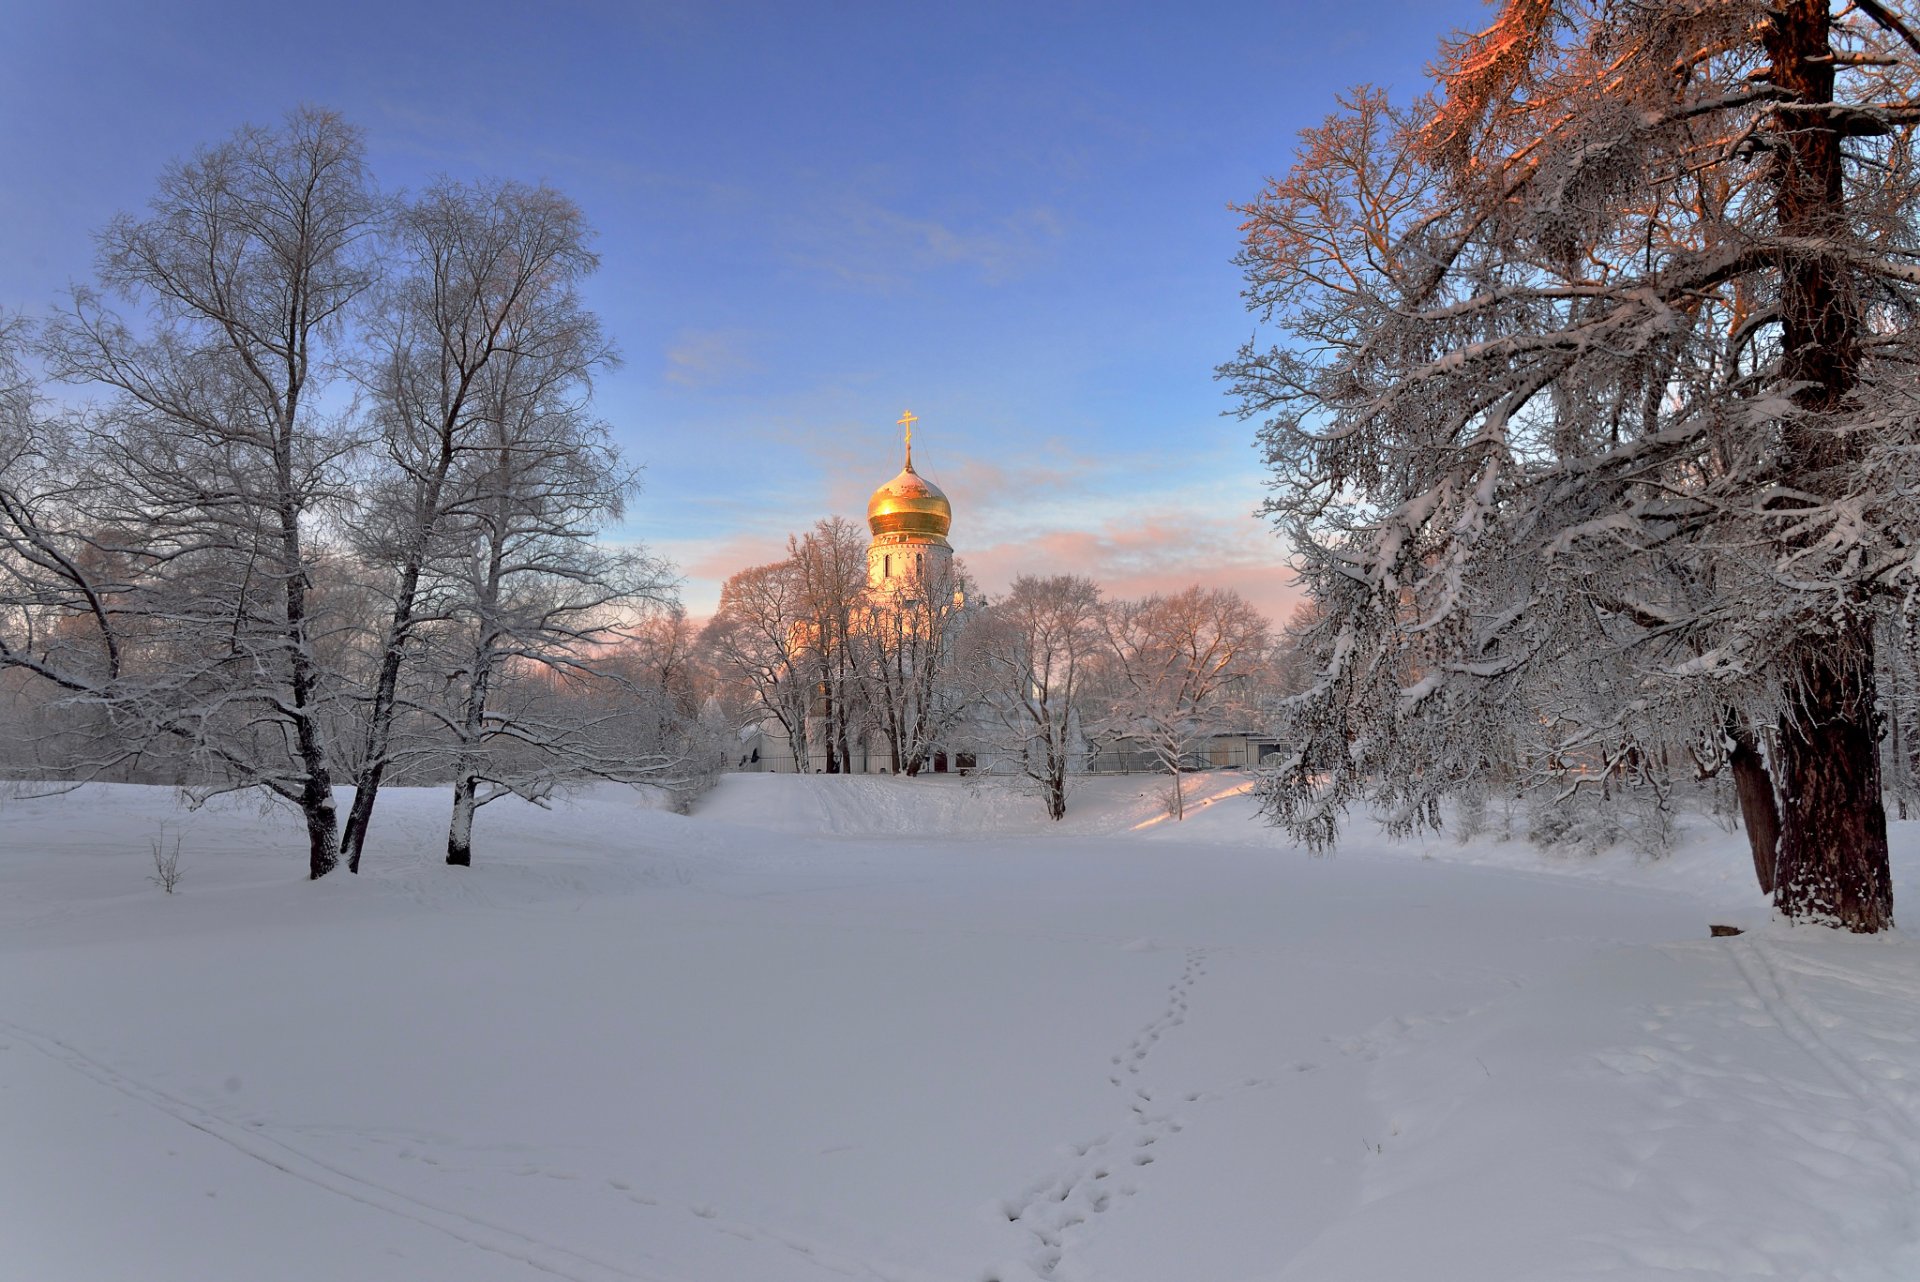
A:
{"x":1012,"y":219}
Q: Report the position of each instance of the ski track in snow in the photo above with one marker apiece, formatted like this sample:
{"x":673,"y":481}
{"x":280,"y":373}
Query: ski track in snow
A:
{"x":1801,"y":1023}
{"x":547,"y":1257}
{"x":252,"y":1141}
{"x":1876,"y":1141}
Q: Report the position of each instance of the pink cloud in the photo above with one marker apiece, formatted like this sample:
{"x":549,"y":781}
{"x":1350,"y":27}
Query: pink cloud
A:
{"x":1163,"y":551}
{"x":720,"y":560}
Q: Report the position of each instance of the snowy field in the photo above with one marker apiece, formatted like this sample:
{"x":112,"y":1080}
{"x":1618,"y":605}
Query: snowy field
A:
{"x":832,"y":1028}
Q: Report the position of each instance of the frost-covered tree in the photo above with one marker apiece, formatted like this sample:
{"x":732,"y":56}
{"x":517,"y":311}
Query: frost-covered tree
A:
{"x":829,"y":564}
{"x":1596,"y":394}
{"x":903,"y":637}
{"x":235,"y":572}
{"x":486,"y":272}
{"x":54,"y":620}
{"x":754,"y":638}
{"x":662,"y":657}
{"x":182,"y":529}
{"x":678,"y":715}
{"x":1182,"y":667}
{"x":1031,"y":655}
{"x":1899,"y":648}
{"x":536,"y":604}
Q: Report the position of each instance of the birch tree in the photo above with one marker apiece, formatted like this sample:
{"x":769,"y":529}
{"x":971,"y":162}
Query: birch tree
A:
{"x":1604,"y":351}
{"x":485,"y":272}
{"x":59,"y":644}
{"x":679,"y":714}
{"x":216,"y":455}
{"x":539,"y":603}
{"x":830,"y":568}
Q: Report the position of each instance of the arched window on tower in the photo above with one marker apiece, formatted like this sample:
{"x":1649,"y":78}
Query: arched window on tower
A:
{"x":886,"y":566}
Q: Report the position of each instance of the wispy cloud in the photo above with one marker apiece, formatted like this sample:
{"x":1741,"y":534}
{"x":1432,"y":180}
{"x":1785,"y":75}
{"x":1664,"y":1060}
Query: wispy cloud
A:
{"x":702,"y":358}
{"x":867,"y":244}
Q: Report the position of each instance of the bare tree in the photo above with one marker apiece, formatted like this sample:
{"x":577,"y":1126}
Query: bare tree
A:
{"x":488,"y":272}
{"x":830,"y":565}
{"x":539,"y":605}
{"x":663,"y":659}
{"x":903,"y":635}
{"x":755,"y":636}
{"x":58,"y":644}
{"x":1183,"y":667}
{"x":202,"y":480}
{"x":674,"y":691}
{"x":1899,"y":648}
{"x":1032,"y":653}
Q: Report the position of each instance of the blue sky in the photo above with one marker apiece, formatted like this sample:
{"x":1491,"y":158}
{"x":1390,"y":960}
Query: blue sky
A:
{"x":1010,"y":218}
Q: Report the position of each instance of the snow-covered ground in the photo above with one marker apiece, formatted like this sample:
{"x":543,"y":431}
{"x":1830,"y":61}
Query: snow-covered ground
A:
{"x":869,"y":1028}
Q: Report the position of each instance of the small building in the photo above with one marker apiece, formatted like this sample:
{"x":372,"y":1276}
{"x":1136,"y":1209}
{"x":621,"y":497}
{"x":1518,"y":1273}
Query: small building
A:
{"x":1218,"y":750}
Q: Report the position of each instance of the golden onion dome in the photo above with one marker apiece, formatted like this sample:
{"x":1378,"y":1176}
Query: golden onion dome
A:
{"x":911,"y":506}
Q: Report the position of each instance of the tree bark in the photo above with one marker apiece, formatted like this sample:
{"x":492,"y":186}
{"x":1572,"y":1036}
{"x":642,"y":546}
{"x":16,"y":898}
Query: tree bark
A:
{"x":316,"y":788}
{"x":323,"y":844}
{"x":1831,"y":865}
{"x":472,"y":723}
{"x":1759,"y":813}
{"x":379,"y":727}
{"x":460,"y":831}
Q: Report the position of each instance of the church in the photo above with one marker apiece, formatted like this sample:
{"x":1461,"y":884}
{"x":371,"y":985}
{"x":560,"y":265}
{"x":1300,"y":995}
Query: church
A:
{"x":912,"y":608}
{"x":909,"y":518}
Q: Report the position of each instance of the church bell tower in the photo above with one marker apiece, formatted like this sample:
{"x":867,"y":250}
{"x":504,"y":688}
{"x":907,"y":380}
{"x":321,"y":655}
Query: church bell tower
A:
{"x":909,"y":518}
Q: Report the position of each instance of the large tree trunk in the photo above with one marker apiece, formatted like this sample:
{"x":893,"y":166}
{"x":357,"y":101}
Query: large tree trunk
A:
{"x":386,"y":692}
{"x":830,"y":730}
{"x":1831,"y":865}
{"x":1056,"y":781}
{"x":373,"y":768}
{"x":1169,"y":750}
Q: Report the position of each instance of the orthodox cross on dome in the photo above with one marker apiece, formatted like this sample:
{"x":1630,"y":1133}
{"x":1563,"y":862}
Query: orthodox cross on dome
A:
{"x":907,"y":419}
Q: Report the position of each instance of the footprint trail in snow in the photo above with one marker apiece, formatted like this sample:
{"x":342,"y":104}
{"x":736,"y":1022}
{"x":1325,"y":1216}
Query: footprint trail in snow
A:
{"x":1058,"y":1210}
